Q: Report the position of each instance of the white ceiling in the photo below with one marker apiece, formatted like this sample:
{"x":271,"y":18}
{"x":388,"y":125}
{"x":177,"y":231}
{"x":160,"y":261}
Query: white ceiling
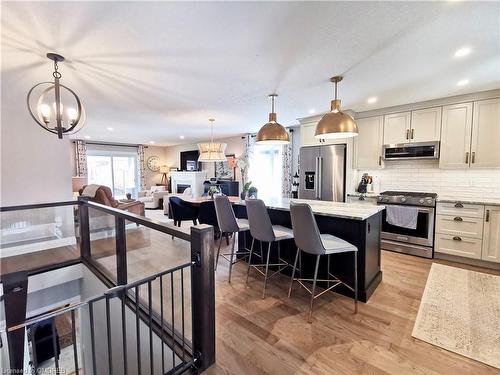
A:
{"x":156,"y":71}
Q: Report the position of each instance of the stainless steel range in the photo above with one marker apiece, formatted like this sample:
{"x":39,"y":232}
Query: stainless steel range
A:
{"x":418,"y":241}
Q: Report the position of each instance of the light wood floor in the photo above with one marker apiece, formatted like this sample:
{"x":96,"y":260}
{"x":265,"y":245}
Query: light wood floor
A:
{"x":271,"y":336}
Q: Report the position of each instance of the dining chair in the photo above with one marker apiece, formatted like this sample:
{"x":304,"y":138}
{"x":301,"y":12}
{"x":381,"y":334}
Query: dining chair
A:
{"x":309,"y":240}
{"x":181,"y":211}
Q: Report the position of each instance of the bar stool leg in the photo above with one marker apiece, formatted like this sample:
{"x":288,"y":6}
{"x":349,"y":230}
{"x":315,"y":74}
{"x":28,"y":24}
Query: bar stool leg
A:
{"x":313,"y":289}
{"x":267,"y":270}
{"x":250,"y":260}
{"x":355,"y":282}
{"x":231,"y":258}
{"x":328,"y":270}
{"x":218,"y":251}
{"x":293,"y":272}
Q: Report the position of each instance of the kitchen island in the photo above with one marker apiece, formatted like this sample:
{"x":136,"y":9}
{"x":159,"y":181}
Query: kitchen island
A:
{"x":356,"y":223}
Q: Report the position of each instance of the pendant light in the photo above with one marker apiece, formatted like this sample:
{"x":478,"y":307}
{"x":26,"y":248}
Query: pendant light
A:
{"x":272,"y":133}
{"x":211,"y":152}
{"x":336,"y":124}
{"x":55,"y":107}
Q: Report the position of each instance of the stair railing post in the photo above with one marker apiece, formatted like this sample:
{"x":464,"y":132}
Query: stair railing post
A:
{"x":203,"y":296}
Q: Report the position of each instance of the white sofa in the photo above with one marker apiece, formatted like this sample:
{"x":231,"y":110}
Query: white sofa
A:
{"x":151,"y":198}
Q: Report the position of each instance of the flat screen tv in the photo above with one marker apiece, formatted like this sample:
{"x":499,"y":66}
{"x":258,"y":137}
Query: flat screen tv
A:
{"x":189,"y":160}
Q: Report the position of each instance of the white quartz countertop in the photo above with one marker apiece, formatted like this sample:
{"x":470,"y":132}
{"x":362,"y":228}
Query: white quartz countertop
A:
{"x":326,"y":208}
{"x":469,"y":200}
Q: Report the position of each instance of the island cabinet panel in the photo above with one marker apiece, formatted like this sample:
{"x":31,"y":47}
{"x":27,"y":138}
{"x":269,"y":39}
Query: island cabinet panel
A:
{"x":364,"y":234}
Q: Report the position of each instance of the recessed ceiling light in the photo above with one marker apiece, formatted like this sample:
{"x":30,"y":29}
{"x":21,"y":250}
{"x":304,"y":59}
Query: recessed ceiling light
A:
{"x":87,"y":137}
{"x":151,"y":142}
{"x":462,"y":82}
{"x":462,"y":52}
{"x":312,"y":111}
{"x":372,"y":100}
{"x":110,"y":128}
{"x":181,"y":137}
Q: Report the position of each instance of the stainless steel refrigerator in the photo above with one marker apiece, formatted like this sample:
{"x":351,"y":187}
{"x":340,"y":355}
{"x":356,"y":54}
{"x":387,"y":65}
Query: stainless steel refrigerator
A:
{"x":322,"y":172}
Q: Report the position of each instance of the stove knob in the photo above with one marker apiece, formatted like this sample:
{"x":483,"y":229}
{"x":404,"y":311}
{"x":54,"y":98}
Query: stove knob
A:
{"x":403,"y":199}
{"x":421,"y":201}
{"x":429,"y":201}
{"x":380,"y":198}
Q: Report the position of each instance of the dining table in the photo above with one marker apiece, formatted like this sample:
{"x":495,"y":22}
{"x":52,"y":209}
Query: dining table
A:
{"x":196,"y":201}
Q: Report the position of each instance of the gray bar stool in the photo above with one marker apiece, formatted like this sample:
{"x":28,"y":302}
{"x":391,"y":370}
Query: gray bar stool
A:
{"x":228,"y":224}
{"x":262,"y":230}
{"x":308,"y":239}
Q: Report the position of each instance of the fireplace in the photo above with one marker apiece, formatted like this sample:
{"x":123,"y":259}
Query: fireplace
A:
{"x":182,"y":187}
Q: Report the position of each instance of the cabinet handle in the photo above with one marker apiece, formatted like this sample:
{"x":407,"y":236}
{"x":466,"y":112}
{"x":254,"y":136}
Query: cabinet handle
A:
{"x":487,"y":215}
{"x":407,"y":133}
{"x":473,"y":158}
{"x":456,"y":238}
{"x":458,"y":218}
{"x":380,"y":160}
{"x":459,"y":205}
{"x":466,"y":158}
{"x":412,"y":133}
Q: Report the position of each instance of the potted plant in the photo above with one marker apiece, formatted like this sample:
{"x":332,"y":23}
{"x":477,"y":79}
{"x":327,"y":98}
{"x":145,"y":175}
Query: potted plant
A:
{"x":246,"y":187}
{"x":212,"y":190}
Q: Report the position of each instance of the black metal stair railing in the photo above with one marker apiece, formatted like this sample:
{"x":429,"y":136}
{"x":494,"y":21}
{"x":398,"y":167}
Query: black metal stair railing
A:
{"x":124,"y":317}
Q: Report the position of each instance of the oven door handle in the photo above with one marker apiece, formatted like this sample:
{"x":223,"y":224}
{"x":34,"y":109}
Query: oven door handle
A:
{"x":420,"y":209}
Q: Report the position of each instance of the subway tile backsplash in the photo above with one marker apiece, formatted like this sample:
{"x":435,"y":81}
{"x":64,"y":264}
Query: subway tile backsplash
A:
{"x":425,"y":175}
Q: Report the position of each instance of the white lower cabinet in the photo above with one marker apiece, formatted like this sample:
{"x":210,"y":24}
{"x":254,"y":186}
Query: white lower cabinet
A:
{"x":491,"y":239}
{"x":468,"y":230}
{"x":457,"y":245}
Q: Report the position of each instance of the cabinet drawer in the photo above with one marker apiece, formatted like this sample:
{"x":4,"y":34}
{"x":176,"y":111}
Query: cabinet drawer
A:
{"x":459,"y":226}
{"x":460,"y":209}
{"x":460,"y":246}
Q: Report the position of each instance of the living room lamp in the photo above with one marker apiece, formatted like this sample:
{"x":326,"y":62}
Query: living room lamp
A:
{"x":164,"y":170}
{"x":211,"y":152}
{"x":55,"y":107}
{"x":272,"y":133}
{"x":336,"y":124}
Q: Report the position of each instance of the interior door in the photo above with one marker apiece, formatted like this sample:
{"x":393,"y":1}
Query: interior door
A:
{"x":308,"y":183}
{"x":332,"y":166}
{"x":397,"y":128}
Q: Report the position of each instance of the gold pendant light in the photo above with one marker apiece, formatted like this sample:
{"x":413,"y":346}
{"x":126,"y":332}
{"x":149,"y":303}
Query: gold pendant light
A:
{"x":272,"y":133}
{"x":211,"y":152}
{"x":336,"y":124}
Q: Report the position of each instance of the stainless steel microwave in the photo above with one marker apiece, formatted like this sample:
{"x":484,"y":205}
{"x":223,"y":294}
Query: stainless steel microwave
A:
{"x":417,"y":150}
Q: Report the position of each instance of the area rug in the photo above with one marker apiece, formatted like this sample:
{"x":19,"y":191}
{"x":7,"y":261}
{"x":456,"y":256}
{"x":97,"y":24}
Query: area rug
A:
{"x":460,"y":312}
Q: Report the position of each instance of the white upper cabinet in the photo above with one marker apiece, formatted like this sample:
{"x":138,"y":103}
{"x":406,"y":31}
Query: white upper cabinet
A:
{"x":485,"y":146}
{"x":307,"y":135}
{"x":368,"y":143}
{"x":425,"y":125}
{"x":456,"y":136}
{"x":491,"y":237}
{"x":397,"y":128}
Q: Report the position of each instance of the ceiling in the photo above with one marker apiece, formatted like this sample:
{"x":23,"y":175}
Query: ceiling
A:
{"x":155,"y":71}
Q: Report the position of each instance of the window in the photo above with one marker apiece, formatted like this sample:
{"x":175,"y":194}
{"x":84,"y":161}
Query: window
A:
{"x":116,"y":169}
{"x":266,"y":171}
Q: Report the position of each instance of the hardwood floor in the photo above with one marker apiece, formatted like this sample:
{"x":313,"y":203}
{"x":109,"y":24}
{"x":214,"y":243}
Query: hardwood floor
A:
{"x":272,"y":336}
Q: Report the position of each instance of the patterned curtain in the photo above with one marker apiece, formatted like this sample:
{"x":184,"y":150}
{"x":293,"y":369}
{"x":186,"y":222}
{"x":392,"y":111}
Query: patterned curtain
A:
{"x":286,"y":182}
{"x":142,"y":166}
{"x":81,"y":158}
{"x":247,"y":156}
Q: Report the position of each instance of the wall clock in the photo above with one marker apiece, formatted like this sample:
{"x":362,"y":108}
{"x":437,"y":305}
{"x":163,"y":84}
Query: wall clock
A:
{"x":154,"y":163}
